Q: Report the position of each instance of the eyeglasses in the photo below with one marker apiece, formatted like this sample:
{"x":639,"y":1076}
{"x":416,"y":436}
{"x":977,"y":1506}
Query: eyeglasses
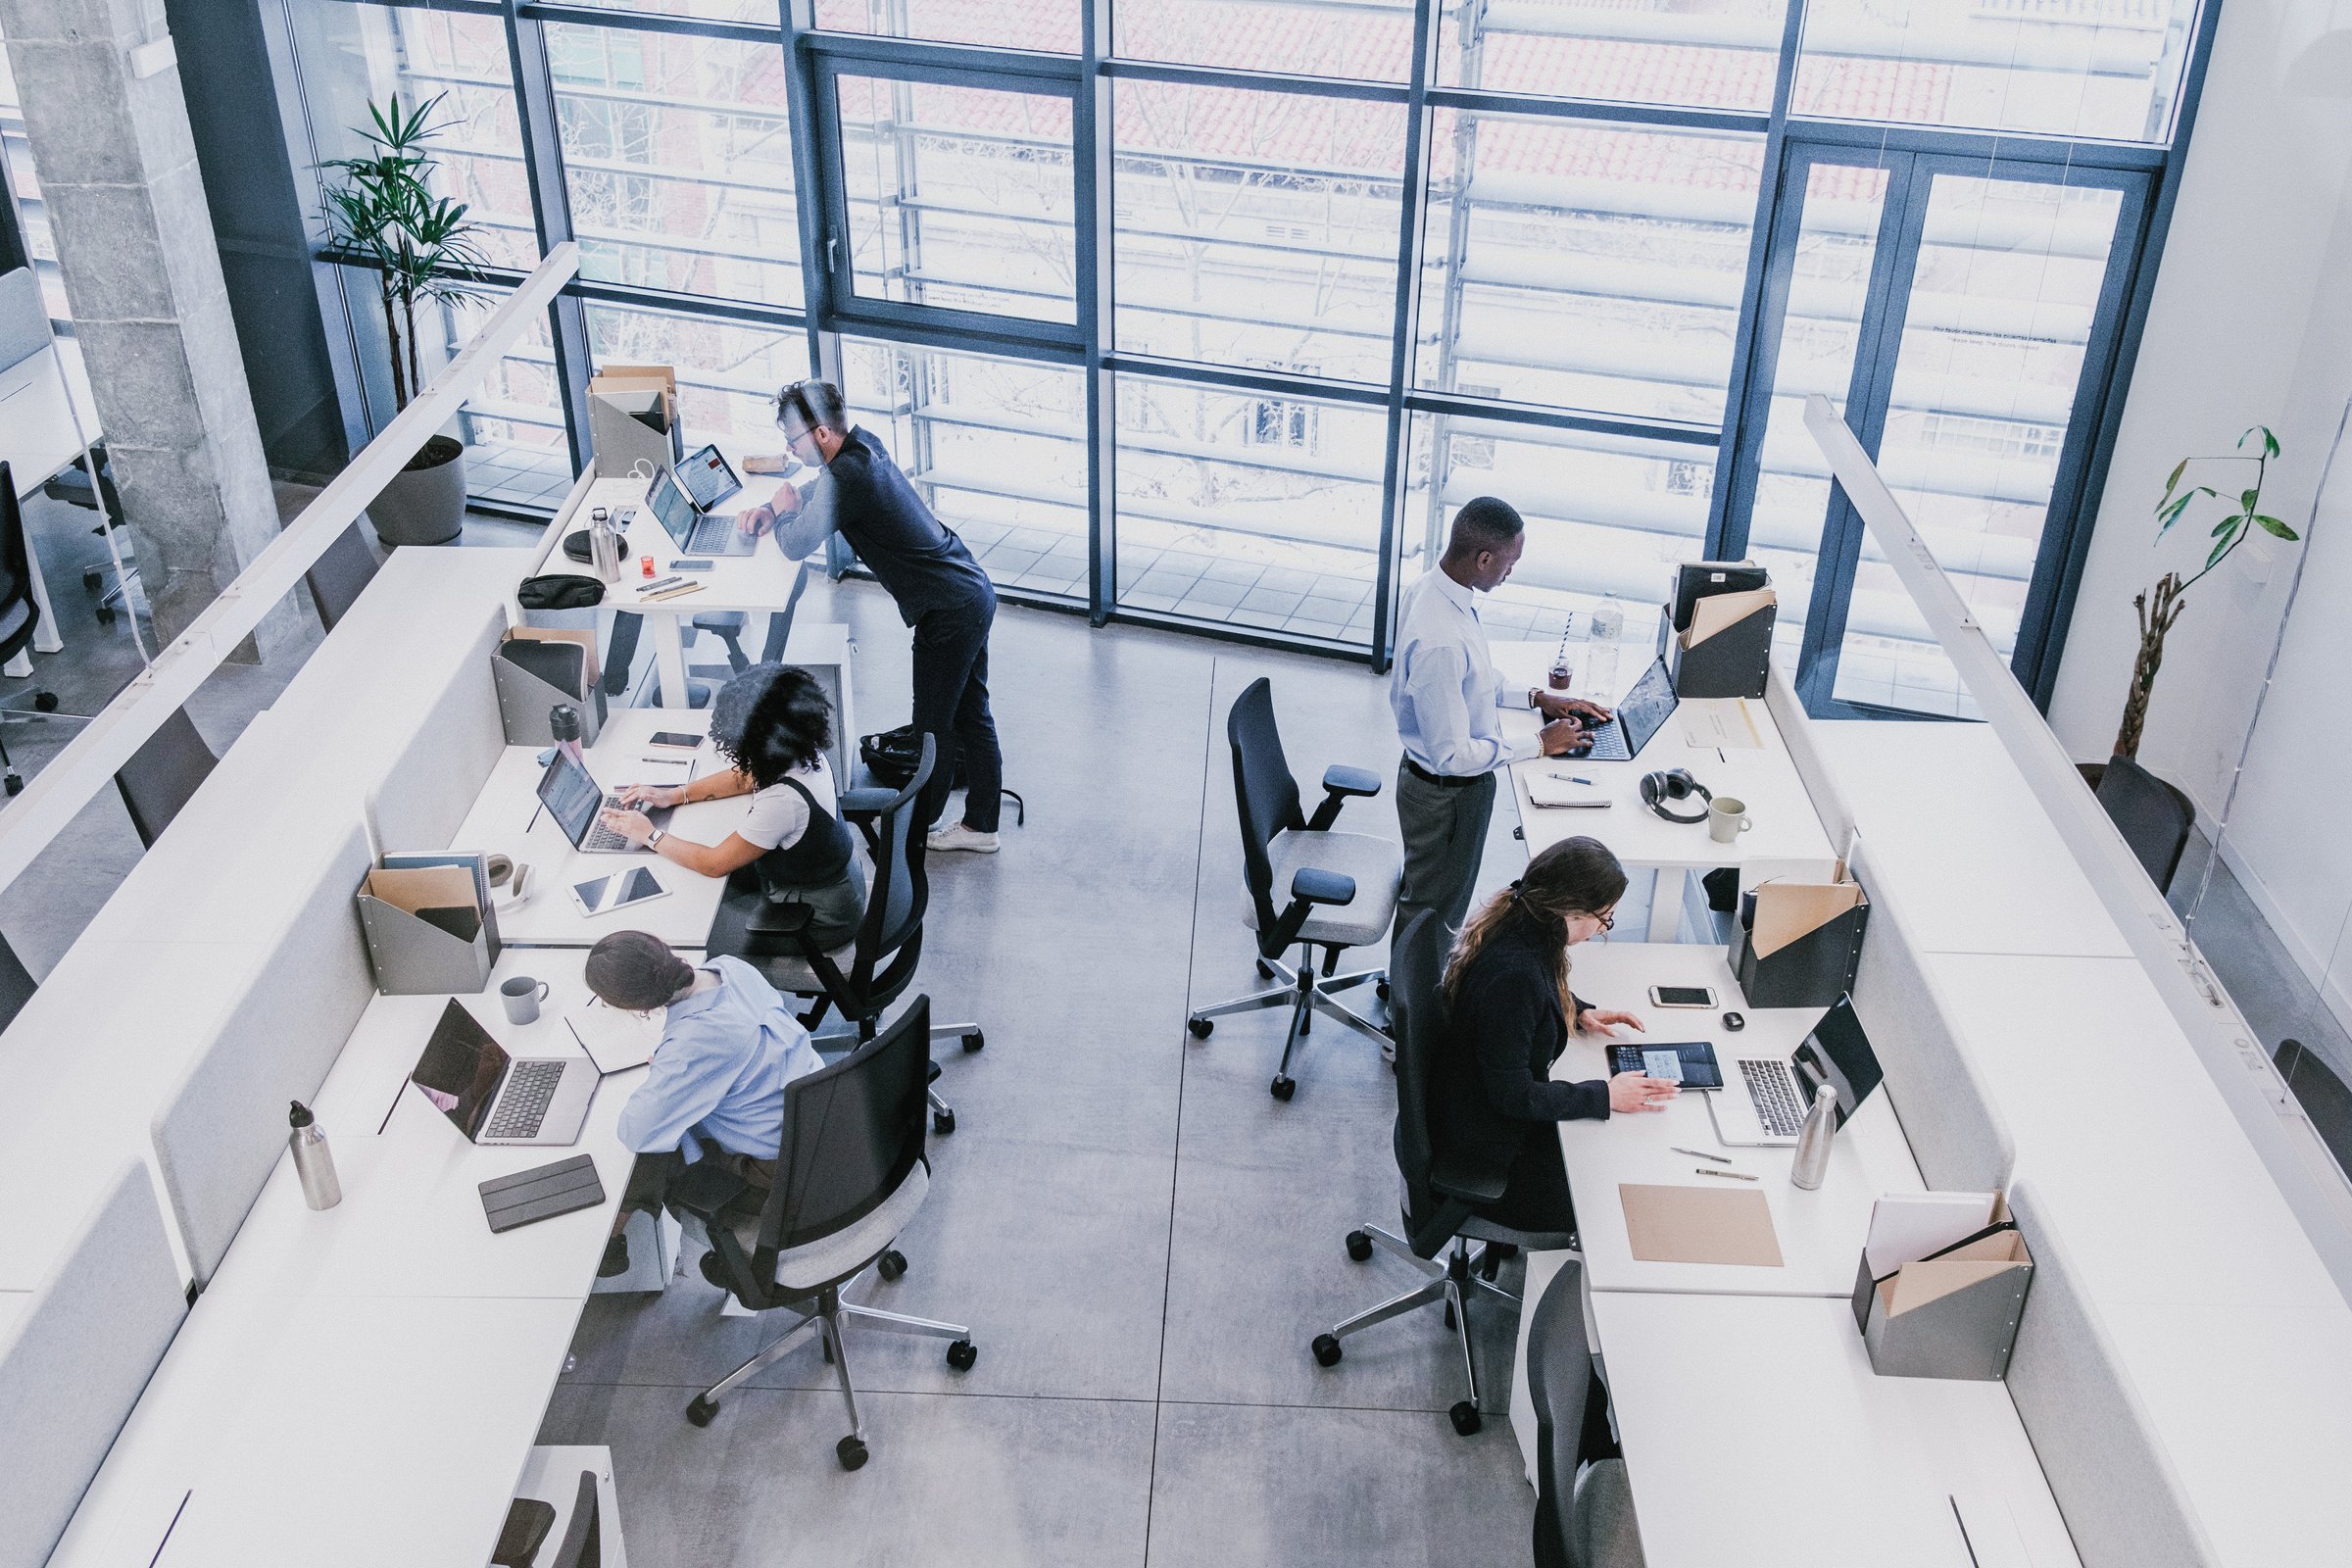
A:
{"x":1606,"y":917}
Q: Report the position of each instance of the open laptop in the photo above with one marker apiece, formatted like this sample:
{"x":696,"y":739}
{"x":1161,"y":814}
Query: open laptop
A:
{"x":574,"y":799}
{"x":1764,"y":1101}
{"x":1641,"y":713}
{"x":497,"y":1099}
{"x":695,"y":531}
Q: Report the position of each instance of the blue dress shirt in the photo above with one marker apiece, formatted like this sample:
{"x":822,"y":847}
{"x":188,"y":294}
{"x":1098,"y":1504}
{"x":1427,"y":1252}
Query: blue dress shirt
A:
{"x":719,"y":1073}
{"x":1442,"y":687}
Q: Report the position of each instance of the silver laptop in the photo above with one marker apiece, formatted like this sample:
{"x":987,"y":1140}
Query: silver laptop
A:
{"x":574,"y":798}
{"x":693,"y":529}
{"x":495,"y":1098}
{"x":1641,"y":713}
{"x":1764,"y":1099}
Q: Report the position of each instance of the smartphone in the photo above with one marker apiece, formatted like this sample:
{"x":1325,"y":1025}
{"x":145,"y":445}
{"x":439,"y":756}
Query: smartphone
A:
{"x":673,"y":740}
{"x":1682,"y":997}
{"x":605,"y":895}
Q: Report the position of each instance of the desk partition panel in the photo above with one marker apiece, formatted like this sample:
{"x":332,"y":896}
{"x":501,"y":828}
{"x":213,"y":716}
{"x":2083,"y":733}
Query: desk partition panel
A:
{"x":432,"y":783}
{"x":79,"y":1357}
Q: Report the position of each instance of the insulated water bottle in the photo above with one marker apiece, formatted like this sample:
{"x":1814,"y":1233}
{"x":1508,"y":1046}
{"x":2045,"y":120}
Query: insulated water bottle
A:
{"x":313,"y":1161}
{"x":1812,"y":1161}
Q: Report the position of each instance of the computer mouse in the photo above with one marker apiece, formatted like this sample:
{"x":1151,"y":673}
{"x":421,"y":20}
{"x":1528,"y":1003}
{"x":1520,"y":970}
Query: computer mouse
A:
{"x":1733,"y":1020}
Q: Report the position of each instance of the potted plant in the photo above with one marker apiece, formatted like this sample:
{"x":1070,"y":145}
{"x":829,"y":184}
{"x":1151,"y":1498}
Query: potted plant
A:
{"x":2160,"y":607}
{"x":421,"y":249}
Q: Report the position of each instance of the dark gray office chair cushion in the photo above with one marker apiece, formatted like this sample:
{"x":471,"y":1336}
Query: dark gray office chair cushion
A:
{"x":1602,"y":1532}
{"x":338,"y":577}
{"x":2323,"y":1096}
{"x":2153,"y":817}
{"x":164,"y":775}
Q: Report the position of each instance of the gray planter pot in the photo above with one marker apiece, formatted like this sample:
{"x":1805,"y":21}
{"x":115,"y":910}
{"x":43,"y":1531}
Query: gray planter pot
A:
{"x":424,"y":505}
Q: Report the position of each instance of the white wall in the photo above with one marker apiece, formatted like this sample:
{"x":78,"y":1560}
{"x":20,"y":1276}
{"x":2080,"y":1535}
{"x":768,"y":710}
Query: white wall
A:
{"x":2251,"y":323}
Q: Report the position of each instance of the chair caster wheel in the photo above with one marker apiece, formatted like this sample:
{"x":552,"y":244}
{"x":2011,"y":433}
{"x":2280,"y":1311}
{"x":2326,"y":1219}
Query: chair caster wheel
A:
{"x":1283,"y":1087}
{"x":1359,"y":1247}
{"x":943,"y":1122}
{"x":974,"y":1041}
{"x":44,"y":702}
{"x":1265,"y":970}
{"x":961,"y":1355}
{"x":16,"y":784}
{"x":851,"y":1451}
{"x":1200,"y":1027}
{"x":92,"y":579}
{"x":699,"y":1410}
{"x":1448,"y":1317}
{"x":892,"y":1264}
{"x":1464,"y":1417}
{"x":1327,"y":1349}
{"x":714,"y":1269}
{"x":1380,"y":988}
{"x":106,"y":614}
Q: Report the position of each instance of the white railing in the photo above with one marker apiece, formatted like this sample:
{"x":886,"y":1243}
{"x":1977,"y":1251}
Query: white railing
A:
{"x":88,"y":762}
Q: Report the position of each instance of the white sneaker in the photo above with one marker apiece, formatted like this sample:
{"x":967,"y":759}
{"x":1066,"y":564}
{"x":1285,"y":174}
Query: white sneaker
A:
{"x":960,"y":837}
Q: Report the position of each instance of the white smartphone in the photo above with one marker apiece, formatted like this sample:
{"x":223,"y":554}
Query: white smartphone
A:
{"x":605,"y":895}
{"x":1682,"y":997}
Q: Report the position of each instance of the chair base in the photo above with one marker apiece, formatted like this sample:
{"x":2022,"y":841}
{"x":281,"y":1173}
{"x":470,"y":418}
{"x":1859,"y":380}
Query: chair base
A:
{"x":1307,"y":994}
{"x":825,"y":1324}
{"x":1456,"y":1281}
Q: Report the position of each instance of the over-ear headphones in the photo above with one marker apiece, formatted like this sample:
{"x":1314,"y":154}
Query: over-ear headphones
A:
{"x":1660,"y":788}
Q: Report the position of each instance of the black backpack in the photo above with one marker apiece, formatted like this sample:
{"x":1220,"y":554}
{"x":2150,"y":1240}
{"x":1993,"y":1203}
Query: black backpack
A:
{"x":891,"y":757}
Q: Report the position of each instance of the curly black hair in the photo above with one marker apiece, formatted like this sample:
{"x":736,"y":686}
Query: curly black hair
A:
{"x":770,"y":720}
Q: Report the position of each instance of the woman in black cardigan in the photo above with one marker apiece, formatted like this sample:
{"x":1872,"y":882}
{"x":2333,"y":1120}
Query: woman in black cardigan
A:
{"x":1492,"y":1103}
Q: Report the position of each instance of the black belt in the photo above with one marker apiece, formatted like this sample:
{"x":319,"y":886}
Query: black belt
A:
{"x":1441,"y":780}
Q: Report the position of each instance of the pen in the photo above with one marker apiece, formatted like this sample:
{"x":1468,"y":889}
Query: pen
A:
{"x":1701,"y":1154}
{"x":666,"y":582}
{"x":1570,"y":778}
{"x":1727,"y":1175}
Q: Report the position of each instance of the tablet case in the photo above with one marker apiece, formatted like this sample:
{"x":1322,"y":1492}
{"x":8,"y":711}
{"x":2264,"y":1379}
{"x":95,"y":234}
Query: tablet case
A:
{"x":530,"y":1195}
{"x":1700,"y":1070}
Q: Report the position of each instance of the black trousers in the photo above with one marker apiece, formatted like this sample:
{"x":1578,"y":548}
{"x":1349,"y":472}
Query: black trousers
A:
{"x":950,"y":705}
{"x":1537,"y":1197}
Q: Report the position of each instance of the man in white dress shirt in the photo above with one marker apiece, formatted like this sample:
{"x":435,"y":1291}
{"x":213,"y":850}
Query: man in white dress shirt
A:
{"x":1446,"y":695}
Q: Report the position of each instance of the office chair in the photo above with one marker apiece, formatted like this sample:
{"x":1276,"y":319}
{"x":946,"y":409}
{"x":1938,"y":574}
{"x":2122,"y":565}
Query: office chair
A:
{"x":2153,"y":817}
{"x":1583,"y":1512}
{"x":862,"y":978}
{"x":164,"y":775}
{"x":1321,"y":873}
{"x":17,"y":984}
{"x":19,"y":619}
{"x":850,"y":1176}
{"x":72,"y":486}
{"x":340,"y":575}
{"x":2323,"y":1096}
{"x":1439,"y":1204}
{"x":530,"y":1521}
{"x":730,"y":625}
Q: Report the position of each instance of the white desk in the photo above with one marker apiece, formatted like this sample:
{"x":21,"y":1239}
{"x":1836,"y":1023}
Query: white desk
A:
{"x":40,"y":397}
{"x":1756,"y":1434}
{"x":506,"y":817}
{"x":1788,"y":838}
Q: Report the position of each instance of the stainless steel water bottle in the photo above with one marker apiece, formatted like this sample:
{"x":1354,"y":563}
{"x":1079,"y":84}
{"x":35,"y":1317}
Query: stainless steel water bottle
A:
{"x":564,"y":728}
{"x":1812,"y":1161}
{"x":313,"y":1161}
{"x":604,"y":548}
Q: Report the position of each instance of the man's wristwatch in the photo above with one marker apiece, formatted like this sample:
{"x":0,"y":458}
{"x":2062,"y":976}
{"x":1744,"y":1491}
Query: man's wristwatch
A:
{"x":654,"y":842}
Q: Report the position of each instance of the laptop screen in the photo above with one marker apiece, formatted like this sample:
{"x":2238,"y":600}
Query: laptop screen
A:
{"x":708,"y":478}
{"x":1644,"y":710}
{"x":1839,"y":1053}
{"x":673,"y":507}
{"x":459,"y":1070}
{"x":572,"y":796}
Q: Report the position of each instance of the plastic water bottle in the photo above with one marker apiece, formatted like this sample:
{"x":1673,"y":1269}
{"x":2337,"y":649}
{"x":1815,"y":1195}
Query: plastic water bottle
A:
{"x":313,"y":1161}
{"x":1813,"y":1139}
{"x":1607,"y":624}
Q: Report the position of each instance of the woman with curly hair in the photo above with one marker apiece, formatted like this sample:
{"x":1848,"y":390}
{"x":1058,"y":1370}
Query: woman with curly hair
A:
{"x":773,"y":723}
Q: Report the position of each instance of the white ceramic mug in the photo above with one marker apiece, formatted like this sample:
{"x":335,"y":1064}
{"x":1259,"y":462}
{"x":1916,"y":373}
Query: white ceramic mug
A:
{"x":1727,"y":818}
{"x":520,"y":997}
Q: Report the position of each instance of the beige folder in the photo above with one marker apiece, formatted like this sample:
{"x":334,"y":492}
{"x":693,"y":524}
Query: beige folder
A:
{"x":1699,"y":1225}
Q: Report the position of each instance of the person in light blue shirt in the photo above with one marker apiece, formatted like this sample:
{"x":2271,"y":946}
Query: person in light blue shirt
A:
{"x":716,"y":1085}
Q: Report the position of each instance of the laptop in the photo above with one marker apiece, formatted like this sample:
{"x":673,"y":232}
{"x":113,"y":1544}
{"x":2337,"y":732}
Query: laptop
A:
{"x":693,"y":530}
{"x":1641,"y":713}
{"x":495,"y":1098}
{"x":574,"y":798}
{"x":1763,"y":1104}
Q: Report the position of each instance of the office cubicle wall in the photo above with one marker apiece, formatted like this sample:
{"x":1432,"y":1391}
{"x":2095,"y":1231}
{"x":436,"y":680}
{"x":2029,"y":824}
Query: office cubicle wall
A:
{"x":222,"y":1128}
{"x":430,"y":784}
{"x":79,"y":1357}
{"x":2114,"y":1482}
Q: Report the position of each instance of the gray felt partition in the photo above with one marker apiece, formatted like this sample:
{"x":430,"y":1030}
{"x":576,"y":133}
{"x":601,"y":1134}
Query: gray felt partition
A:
{"x":432,"y":783}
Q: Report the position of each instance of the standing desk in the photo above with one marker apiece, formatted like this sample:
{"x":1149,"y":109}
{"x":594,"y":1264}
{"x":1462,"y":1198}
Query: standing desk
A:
{"x":41,"y":396}
{"x":1788,"y":838}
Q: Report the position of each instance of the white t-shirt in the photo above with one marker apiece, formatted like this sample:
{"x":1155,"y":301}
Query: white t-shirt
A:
{"x":778,"y":815}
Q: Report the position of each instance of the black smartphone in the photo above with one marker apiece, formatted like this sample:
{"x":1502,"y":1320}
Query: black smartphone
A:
{"x":1682,"y":997}
{"x":675,"y":740}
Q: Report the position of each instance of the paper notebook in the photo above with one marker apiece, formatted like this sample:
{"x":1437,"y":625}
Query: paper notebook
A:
{"x":1698,"y":1225}
{"x":1550,"y":789}
{"x":614,"y":1040}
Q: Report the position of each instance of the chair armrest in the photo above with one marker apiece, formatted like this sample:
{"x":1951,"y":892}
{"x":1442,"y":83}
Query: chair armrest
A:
{"x":1341,"y":783}
{"x":1449,"y":1179}
{"x":773,"y":919}
{"x":1311,"y":886}
{"x":864,"y":802}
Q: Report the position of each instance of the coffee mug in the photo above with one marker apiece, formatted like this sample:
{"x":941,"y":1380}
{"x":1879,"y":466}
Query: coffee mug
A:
{"x":520,"y":997}
{"x":1727,"y":819}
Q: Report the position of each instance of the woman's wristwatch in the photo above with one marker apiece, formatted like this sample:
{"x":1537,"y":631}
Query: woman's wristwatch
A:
{"x":655,"y":841}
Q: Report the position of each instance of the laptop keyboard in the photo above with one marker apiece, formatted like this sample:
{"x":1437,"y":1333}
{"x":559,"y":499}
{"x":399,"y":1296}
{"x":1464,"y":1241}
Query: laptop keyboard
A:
{"x":602,"y":838}
{"x":530,"y":1086}
{"x":1608,"y":744}
{"x":711,"y":536}
{"x":1773,"y":1088}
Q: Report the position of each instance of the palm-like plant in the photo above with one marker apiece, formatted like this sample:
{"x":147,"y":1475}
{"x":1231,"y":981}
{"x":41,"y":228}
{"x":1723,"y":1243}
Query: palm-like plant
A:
{"x":421,"y":245}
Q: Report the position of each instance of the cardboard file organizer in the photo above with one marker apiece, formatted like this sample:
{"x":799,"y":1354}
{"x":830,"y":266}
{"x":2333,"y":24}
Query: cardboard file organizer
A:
{"x":1727,"y":648}
{"x":538,"y":667}
{"x":1952,"y":1314}
{"x":429,"y":928}
{"x":633,"y":418}
{"x":1799,"y":943}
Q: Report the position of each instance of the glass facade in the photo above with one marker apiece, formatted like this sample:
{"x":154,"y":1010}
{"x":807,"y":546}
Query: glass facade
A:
{"x":1213,"y":311}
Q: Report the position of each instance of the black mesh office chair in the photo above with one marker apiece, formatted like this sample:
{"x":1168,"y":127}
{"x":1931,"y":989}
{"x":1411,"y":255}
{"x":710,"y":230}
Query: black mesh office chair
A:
{"x":862,"y":978}
{"x":730,"y":625}
{"x":164,"y":775}
{"x":1584,"y":1511}
{"x":1438,"y":1203}
{"x":2153,"y":817}
{"x":72,"y":486}
{"x":1341,"y":887}
{"x":340,"y":575}
{"x":19,"y":619}
{"x":2323,"y":1096}
{"x":530,"y":1521}
{"x":850,"y":1176}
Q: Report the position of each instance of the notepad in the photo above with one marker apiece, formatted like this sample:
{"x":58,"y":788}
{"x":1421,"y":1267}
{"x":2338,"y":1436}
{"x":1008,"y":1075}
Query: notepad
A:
{"x":1698,"y":1225}
{"x":614,"y":1040}
{"x":1550,"y":789}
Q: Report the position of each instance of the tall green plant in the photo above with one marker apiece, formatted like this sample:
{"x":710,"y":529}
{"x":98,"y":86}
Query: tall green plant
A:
{"x":421,"y":245}
{"x":2158,"y":608}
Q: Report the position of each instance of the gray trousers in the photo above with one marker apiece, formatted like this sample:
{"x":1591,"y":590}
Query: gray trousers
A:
{"x":1445,"y":840}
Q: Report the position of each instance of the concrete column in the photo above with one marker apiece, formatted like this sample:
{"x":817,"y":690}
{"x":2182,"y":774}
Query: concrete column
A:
{"x":142,"y":275}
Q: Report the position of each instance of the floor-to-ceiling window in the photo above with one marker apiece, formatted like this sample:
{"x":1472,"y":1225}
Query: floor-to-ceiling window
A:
{"x":1213,"y":312}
